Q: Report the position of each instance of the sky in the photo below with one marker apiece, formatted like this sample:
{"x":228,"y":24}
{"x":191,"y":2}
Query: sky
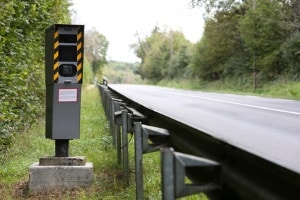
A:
{"x":120,"y":21}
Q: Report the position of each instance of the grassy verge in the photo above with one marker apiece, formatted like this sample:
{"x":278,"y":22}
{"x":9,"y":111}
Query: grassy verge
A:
{"x":276,"y":89}
{"x":96,"y":144}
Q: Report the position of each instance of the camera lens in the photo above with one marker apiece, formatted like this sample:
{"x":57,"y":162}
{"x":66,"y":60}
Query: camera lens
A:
{"x":67,"y":70}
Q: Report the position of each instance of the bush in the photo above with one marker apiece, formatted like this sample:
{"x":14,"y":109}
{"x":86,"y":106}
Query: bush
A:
{"x":22,"y":61}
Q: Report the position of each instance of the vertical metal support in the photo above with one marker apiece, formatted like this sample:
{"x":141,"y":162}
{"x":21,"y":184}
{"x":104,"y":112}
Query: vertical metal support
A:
{"x":104,"y":94}
{"x":204,"y":175}
{"x":61,"y":148}
{"x":115,"y":130}
{"x":167,"y":173}
{"x":119,"y":144}
{"x":112,"y":121}
{"x":118,"y":122}
{"x":138,"y":160}
{"x":118,"y":134}
{"x":109,"y":112}
{"x":125,"y":147}
{"x":105,"y":81}
{"x":107,"y":104}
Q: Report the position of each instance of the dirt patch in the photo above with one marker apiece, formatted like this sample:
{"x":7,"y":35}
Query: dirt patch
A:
{"x":21,"y":191}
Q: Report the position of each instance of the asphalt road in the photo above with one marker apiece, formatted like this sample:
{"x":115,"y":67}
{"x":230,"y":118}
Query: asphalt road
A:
{"x":266,"y":127}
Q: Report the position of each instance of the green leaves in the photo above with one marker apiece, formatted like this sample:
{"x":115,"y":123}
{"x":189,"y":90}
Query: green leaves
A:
{"x":241,"y":38}
{"x":22,"y":25}
{"x":96,"y":46}
{"x":291,"y":55}
{"x":164,"y":54}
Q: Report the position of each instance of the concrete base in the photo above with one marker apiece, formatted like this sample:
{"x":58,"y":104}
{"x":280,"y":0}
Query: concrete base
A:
{"x":45,"y":178}
{"x":64,"y":161}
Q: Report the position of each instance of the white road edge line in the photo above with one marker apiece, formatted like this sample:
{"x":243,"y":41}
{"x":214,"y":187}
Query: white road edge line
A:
{"x":235,"y":103}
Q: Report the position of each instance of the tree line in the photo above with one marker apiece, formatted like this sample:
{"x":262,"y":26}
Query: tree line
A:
{"x":241,"y":40}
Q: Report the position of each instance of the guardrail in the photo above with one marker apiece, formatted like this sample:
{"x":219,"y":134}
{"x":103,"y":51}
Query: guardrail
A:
{"x":218,"y":169}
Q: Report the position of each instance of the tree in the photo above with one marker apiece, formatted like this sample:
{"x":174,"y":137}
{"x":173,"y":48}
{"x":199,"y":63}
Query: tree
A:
{"x":291,"y":11}
{"x":96,"y":46}
{"x":179,"y":61}
{"x":220,"y":43}
{"x":164,"y":54}
{"x":262,"y":32}
{"x":291,"y":55}
{"x":213,"y":6}
{"x":180,"y":55}
{"x":154,"y":52}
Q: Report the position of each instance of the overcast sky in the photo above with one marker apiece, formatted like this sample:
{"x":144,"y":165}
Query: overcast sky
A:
{"x":120,"y":20}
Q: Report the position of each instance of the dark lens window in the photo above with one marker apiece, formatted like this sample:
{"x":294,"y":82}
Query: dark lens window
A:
{"x":67,"y":70}
{"x":67,"y":53}
{"x":64,"y":38}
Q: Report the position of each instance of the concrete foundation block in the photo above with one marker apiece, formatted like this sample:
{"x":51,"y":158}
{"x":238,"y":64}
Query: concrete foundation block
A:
{"x":46,"y":178}
{"x":64,"y":161}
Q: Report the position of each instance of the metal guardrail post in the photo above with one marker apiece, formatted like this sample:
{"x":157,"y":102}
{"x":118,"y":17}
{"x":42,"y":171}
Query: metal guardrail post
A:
{"x":104,"y":81}
{"x":125,"y":147}
{"x":117,"y":133}
{"x":142,"y":135}
{"x":119,"y":123}
{"x":109,"y":104}
{"x":138,"y":149}
{"x":112,"y":121}
{"x":167,"y":173}
{"x":114,"y":107}
{"x":126,"y":118}
{"x":103,"y":90}
{"x":203,"y":173}
{"x":119,"y":144}
{"x":106,"y":100}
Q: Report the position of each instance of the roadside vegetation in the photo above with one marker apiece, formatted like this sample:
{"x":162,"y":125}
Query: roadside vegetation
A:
{"x":257,"y":49}
{"x":122,"y":72}
{"x":96,"y":144}
{"x":284,"y":89}
{"x":22,"y":25}
{"x":246,"y":46}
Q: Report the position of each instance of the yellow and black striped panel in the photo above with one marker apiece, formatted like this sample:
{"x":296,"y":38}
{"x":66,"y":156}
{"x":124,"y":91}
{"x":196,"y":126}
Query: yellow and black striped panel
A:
{"x":56,"y":55}
{"x":79,"y":55}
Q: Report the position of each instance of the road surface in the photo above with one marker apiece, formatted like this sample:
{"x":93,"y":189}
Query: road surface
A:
{"x":266,"y":127}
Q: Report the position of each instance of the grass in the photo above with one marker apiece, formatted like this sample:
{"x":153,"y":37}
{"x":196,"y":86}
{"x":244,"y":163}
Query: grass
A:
{"x":96,"y":144}
{"x":276,"y":89}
